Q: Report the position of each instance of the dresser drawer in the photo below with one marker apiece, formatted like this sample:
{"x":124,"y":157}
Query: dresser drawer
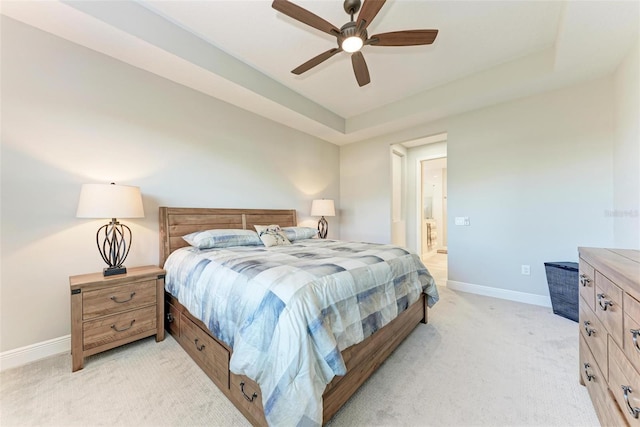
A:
{"x":210,"y":355}
{"x":594,"y":335}
{"x":118,"y":298}
{"x":624,"y":383}
{"x":632,"y":330}
{"x":587,"y":283}
{"x":609,"y":306}
{"x":118,"y":327}
{"x":246,"y":393}
{"x":594,"y":380}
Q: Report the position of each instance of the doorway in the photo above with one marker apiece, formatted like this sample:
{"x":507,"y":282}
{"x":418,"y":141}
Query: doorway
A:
{"x":432,"y":202}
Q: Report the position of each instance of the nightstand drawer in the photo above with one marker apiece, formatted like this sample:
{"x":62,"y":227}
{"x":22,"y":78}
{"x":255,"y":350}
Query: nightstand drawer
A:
{"x":118,"y":327}
{"x":211,"y":356}
{"x":118,"y":298}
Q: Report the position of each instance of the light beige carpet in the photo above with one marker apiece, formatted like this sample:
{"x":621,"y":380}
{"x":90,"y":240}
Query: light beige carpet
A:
{"x":479,"y":362}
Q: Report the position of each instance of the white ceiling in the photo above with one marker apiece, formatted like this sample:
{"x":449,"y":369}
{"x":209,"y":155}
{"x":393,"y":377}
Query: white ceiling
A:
{"x":243,"y":51}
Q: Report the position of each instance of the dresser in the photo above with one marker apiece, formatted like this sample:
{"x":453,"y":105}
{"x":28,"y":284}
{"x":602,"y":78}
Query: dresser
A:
{"x":609,"y":338}
{"x":107,"y":312}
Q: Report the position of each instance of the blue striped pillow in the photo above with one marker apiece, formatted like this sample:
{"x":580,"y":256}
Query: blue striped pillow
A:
{"x":222,"y":238}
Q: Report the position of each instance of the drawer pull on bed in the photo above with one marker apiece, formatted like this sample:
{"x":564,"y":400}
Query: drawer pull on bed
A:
{"x":589,"y":376}
{"x":633,"y":411}
{"x":635,"y":333}
{"x":115,"y":299}
{"x":253,"y":396}
{"x":170,"y":318}
{"x":198,"y":347}
{"x":606,"y":304}
{"x":115,"y":328}
{"x":587,"y":329}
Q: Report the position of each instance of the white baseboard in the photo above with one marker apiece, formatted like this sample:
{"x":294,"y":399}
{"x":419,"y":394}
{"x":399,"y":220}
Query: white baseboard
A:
{"x":507,"y":294}
{"x":31,"y":353}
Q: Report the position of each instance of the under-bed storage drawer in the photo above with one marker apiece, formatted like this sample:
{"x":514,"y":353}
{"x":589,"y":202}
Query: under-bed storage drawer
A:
{"x":246,"y":393}
{"x":172,"y":319}
{"x":210,"y":355}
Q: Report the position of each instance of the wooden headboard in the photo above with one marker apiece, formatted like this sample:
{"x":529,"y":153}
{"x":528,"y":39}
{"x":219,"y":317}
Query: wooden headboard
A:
{"x":177,"y":222}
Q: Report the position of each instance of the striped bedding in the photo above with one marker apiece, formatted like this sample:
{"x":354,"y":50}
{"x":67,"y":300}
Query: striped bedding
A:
{"x":288,"y":311}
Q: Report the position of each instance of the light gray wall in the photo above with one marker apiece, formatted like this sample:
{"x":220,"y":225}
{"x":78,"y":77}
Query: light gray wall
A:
{"x":534,"y":176}
{"x":626,"y":159}
{"x":72,"y":116}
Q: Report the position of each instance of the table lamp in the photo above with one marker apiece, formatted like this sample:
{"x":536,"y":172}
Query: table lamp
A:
{"x":111,"y":201}
{"x":322,"y":208}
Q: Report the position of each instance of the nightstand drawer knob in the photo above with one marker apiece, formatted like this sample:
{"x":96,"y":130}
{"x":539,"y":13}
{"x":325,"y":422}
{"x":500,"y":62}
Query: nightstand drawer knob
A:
{"x":115,"y":299}
{"x":115,"y":328}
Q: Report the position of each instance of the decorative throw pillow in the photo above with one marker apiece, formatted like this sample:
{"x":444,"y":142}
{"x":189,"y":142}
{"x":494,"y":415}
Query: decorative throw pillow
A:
{"x":222,"y":238}
{"x":272,"y":235}
{"x":299,"y":233}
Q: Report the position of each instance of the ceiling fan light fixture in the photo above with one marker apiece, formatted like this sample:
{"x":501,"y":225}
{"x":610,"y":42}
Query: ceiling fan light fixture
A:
{"x":352,"y":44}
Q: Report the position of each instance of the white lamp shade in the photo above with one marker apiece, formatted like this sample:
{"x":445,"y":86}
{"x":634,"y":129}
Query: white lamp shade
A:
{"x":323,"y":207}
{"x":110,"y":201}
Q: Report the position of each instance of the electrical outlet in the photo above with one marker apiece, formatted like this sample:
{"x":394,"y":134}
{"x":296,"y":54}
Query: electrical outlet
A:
{"x":462,"y":220}
{"x":525,"y":269}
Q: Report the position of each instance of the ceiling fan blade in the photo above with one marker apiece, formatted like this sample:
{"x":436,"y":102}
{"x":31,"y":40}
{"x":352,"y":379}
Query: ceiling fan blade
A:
{"x":403,"y":38}
{"x":360,"y":69}
{"x":303,"y":15}
{"x":316,"y":60}
{"x":369,"y":10}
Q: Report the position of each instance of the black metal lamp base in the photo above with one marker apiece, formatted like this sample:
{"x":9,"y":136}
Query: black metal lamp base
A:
{"x":113,"y":271}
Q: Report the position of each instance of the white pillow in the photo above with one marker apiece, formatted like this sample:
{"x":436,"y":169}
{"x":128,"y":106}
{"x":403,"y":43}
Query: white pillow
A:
{"x":222,"y":238}
{"x":271,"y":235}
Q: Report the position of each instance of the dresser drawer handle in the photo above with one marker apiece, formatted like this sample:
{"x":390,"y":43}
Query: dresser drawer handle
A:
{"x":587,"y":329}
{"x":589,"y":376}
{"x":635,"y":333}
{"x":115,"y":328}
{"x":584,"y":279}
{"x":607,"y":303}
{"x":253,"y":396}
{"x":198,"y":347}
{"x":633,"y":411}
{"x":115,"y":299}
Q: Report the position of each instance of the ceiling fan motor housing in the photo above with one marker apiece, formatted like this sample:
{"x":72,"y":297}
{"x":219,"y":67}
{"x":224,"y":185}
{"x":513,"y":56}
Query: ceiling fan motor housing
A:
{"x":350,"y":29}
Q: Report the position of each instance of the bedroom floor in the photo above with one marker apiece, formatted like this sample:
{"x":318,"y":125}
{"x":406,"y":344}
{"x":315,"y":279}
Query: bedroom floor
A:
{"x":479,"y":362}
{"x":436,"y":263}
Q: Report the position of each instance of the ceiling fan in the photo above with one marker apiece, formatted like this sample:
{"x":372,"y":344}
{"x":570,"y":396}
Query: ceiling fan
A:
{"x":352,"y":36}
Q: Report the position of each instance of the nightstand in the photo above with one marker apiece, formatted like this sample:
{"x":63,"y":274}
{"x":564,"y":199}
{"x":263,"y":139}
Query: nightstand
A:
{"x":107,"y":312}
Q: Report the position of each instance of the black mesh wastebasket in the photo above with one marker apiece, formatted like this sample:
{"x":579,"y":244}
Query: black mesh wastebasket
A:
{"x":562,"y":278}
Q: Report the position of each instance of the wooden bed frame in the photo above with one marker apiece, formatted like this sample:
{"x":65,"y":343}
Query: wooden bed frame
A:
{"x":213,"y":355}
